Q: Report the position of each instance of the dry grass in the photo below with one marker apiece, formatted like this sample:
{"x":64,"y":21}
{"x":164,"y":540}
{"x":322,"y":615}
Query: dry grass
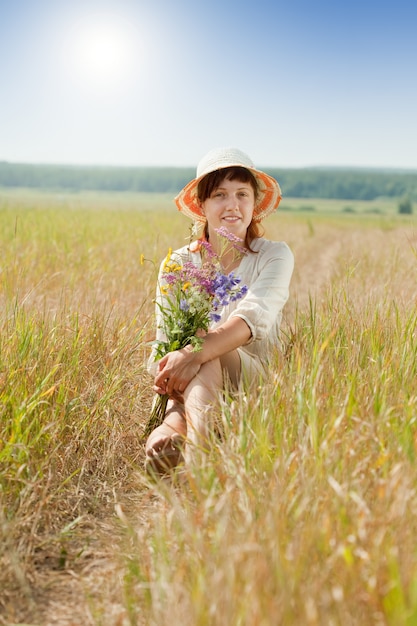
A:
{"x":304,"y":514}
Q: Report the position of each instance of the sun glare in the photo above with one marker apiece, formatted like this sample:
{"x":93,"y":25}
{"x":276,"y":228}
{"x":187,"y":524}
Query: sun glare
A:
{"x":102,"y":52}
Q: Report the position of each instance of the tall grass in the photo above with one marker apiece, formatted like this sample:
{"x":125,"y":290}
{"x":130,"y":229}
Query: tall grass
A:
{"x":306,"y":512}
{"x":303,"y":513}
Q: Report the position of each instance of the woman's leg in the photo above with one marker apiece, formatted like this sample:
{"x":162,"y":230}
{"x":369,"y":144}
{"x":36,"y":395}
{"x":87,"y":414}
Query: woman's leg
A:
{"x":164,"y":444}
{"x":231,"y":364}
{"x":202,"y":396}
{"x":191,"y":420}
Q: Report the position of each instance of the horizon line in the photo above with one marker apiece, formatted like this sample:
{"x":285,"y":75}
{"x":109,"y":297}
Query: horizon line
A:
{"x":391,"y":168}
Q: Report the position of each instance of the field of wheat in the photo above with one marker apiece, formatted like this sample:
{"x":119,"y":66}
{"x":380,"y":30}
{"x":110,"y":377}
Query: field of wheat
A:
{"x":305,"y":512}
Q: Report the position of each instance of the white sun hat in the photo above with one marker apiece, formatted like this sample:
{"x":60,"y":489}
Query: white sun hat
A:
{"x":269,"y":192}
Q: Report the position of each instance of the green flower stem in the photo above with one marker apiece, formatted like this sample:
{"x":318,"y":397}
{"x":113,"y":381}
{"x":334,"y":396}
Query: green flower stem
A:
{"x":157,"y":414}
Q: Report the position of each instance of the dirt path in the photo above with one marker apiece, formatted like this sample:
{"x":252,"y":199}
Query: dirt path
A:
{"x":88,"y":588}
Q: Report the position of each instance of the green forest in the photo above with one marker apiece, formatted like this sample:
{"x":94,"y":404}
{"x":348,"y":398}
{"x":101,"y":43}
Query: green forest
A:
{"x":348,"y":184}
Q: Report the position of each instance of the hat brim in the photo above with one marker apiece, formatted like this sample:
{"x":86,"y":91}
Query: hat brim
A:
{"x":269,"y":196}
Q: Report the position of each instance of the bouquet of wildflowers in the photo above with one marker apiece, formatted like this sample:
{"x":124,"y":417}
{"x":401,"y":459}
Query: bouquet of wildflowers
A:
{"x":192,"y":297}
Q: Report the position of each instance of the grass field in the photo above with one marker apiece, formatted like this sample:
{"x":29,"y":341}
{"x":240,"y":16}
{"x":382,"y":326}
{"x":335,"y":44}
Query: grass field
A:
{"x":306,"y":512}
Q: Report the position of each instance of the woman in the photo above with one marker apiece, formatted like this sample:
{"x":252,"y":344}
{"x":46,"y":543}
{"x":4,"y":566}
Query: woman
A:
{"x":227,"y":193}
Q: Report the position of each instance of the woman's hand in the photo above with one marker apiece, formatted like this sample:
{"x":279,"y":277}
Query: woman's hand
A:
{"x":176,"y":370}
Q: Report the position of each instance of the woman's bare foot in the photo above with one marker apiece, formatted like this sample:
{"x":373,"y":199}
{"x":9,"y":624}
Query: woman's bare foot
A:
{"x":164,"y":444}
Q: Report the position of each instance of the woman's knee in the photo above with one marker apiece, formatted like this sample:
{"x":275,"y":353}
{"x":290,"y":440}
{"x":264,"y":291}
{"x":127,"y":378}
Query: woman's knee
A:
{"x":208,"y":376}
{"x":204,"y":388}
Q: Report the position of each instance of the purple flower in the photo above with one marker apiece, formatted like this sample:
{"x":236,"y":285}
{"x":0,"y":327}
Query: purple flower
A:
{"x":236,"y":241}
{"x":208,"y":248}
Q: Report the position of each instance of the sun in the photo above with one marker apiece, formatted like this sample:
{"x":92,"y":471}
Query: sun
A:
{"x":101,"y":51}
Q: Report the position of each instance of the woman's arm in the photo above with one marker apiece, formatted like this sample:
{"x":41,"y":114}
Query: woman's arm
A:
{"x":177,"y":369}
{"x":268,"y":292}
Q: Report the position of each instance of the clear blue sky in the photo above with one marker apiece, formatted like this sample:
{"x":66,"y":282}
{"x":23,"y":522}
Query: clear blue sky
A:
{"x":128,"y":82}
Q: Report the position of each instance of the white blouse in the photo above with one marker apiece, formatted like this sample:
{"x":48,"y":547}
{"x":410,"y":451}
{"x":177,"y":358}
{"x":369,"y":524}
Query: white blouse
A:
{"x":267,"y":274}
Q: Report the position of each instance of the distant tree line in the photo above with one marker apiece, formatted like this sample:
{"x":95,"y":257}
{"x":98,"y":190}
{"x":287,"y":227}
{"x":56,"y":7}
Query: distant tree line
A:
{"x":348,"y":184}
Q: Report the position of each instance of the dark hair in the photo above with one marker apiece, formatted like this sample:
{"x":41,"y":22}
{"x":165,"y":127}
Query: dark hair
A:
{"x":212,"y":181}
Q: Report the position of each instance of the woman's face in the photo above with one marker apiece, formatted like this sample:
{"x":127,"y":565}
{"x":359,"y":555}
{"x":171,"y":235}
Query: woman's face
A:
{"x":231,"y":206}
